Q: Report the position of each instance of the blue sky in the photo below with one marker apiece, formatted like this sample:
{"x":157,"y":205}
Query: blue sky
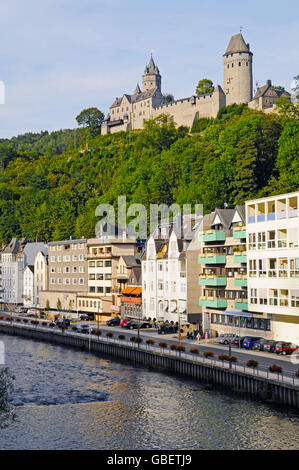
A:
{"x":58,"y":57}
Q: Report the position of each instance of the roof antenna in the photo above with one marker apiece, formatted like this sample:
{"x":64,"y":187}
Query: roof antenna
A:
{"x":241,"y":29}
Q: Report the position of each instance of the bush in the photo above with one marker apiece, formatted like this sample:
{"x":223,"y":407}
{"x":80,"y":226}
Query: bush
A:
{"x":181,"y":348}
{"x":223,"y":357}
{"x":208,"y":354}
{"x":139,"y":340}
{"x":25,"y":320}
{"x":84,"y":331}
{"x":96,"y":332}
{"x":74,"y":328}
{"x":252,"y":363}
{"x":18,"y":319}
{"x":122,"y":337}
{"x":275,"y":368}
{"x":150,"y":342}
{"x":173,"y":347}
{"x":233,"y":359}
{"x":133,"y":339}
{"x":109,"y":334}
{"x":194,"y":350}
{"x":8,"y":318}
{"x":34,"y":322}
{"x":1,"y":317}
{"x":163,"y":345}
{"x":297,"y":373}
{"x":44,"y":323}
{"x":52,"y":325}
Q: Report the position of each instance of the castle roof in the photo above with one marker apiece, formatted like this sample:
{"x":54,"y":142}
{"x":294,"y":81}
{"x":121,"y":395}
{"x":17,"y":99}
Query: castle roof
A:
{"x":137,"y":90}
{"x":237,"y":44}
{"x":265,"y":88}
{"x":151,"y":67}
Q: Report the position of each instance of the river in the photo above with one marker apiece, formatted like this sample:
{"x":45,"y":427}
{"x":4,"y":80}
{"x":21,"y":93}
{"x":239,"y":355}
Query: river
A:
{"x":69,"y":399}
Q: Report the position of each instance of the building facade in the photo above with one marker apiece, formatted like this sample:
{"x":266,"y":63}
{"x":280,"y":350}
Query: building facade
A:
{"x":28,"y":287}
{"x":41,"y":280}
{"x":273,"y":263}
{"x":67,"y":274}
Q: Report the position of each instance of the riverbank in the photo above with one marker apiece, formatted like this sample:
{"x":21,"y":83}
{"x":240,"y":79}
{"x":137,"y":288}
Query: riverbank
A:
{"x":267,"y":387}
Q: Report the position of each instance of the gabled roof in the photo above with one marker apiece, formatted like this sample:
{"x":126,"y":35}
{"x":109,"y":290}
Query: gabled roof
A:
{"x":30,"y":267}
{"x":12,"y":247}
{"x":137,"y":90}
{"x":225,"y":215}
{"x":151,"y":67}
{"x":132,"y":261}
{"x":262,"y":91}
{"x":237,"y":44}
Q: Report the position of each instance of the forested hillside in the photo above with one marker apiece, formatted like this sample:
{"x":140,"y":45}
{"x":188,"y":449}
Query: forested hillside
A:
{"x":50,"y":187}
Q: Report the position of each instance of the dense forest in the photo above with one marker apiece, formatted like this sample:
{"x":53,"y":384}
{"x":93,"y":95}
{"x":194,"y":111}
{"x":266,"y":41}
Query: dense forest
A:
{"x":50,"y":184}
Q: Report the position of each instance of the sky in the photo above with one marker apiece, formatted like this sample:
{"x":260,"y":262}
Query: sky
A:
{"x":58,"y":57}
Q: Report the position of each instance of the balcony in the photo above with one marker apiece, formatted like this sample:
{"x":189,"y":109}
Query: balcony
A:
{"x":240,"y":258}
{"x":131,"y":300}
{"x":212,"y":236}
{"x":99,"y":256}
{"x":211,"y":258}
{"x":209,"y":280}
{"x":239,"y":233}
{"x":240,"y":282}
{"x":240,"y":305}
{"x":215,"y":303}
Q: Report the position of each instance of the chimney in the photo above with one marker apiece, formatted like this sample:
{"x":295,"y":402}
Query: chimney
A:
{"x":269,"y":83}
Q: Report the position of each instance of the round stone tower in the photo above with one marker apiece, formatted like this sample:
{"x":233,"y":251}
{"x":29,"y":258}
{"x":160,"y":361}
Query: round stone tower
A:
{"x":237,"y":71}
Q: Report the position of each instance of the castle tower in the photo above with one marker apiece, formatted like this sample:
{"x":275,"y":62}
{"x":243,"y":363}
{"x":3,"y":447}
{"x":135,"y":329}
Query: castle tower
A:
{"x":237,"y":74}
{"x":151,"y":77}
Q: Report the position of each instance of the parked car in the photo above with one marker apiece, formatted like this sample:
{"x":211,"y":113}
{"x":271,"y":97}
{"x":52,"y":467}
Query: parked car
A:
{"x":31,"y":312}
{"x":84,"y":317}
{"x":115,"y":321}
{"x":20,"y":310}
{"x":124,"y":321}
{"x":249,"y":341}
{"x":167,"y":329}
{"x":62,"y":321}
{"x":131,"y":325}
{"x":259,"y":345}
{"x":238,"y":341}
{"x":226,"y":338}
{"x":269,"y":346}
{"x":145,"y":324}
{"x":285,"y":348}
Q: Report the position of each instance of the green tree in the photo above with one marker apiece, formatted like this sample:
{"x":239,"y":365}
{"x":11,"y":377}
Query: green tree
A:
{"x":168,"y":97}
{"x":245,"y":181}
{"x":91,"y":118}
{"x":47,"y":305}
{"x":286,"y":108}
{"x":295,"y":88}
{"x":204,"y":87}
{"x":58,"y":304}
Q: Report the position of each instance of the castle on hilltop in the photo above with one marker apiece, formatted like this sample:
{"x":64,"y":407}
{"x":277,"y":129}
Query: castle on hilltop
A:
{"x":129,"y":112}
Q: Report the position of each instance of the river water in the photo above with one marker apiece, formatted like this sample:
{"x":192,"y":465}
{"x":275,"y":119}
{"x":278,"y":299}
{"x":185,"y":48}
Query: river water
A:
{"x":69,"y":399}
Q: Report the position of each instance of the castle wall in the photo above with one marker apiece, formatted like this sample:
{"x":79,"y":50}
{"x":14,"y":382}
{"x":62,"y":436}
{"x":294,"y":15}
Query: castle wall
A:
{"x":237,"y":77}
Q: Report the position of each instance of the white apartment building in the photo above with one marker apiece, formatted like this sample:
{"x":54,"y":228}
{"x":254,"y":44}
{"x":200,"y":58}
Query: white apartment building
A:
{"x":15,"y":257}
{"x":28,"y":287}
{"x":164,"y":282}
{"x":40,"y":274}
{"x":273,"y":262}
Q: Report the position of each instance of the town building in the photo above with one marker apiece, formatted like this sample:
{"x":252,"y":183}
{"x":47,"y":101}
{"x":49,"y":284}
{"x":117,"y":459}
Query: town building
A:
{"x":130,"y":111}
{"x":164,"y":283}
{"x":105,"y":282}
{"x":41,"y":280}
{"x":28,"y":287}
{"x":67,"y":274}
{"x":129,"y":271}
{"x":273,"y":263}
{"x":15,"y":257}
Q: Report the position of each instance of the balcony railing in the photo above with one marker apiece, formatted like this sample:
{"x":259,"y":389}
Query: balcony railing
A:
{"x":98,"y":255}
{"x":212,"y":236}
{"x":213,"y":303}
{"x":210,"y":280}
{"x":211,"y":258}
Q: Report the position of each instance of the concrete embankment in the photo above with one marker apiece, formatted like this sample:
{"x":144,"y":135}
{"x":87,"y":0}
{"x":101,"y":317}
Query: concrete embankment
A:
{"x":261,"y":385}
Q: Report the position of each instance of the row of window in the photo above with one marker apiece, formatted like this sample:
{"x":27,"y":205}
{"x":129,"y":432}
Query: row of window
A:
{"x":100,"y":290}
{"x":280,"y":238}
{"x":60,"y":280}
{"x":275,"y":297}
{"x":67,"y":269}
{"x":72,"y":246}
{"x":241,"y":322}
{"x":240,"y":63}
{"x":89,"y":303}
{"x":225,"y":294}
{"x":100,"y":277}
{"x":99,"y":264}
{"x":274,"y":267}
{"x":165,"y":286}
{"x":66,"y":258}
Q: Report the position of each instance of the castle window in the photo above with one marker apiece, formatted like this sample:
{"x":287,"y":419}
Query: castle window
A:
{"x":239,"y":64}
{"x":247,"y":64}
{"x":228,"y":66}
{"x":232,"y":65}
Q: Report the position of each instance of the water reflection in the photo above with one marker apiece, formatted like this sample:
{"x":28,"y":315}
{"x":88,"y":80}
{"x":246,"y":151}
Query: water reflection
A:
{"x":68,"y":399}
